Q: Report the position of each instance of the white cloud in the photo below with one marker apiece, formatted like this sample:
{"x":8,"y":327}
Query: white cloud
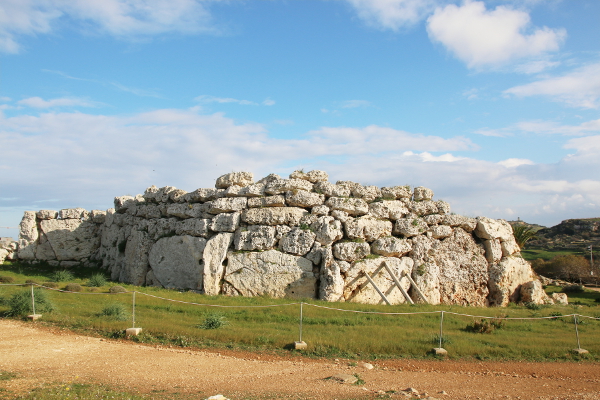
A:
{"x":393,"y":14}
{"x":122,"y":18}
{"x":552,"y":127}
{"x":222,"y":100}
{"x":483,"y":38}
{"x":515,"y":162}
{"x":38,"y":102}
{"x":268,"y":102}
{"x":578,"y":88}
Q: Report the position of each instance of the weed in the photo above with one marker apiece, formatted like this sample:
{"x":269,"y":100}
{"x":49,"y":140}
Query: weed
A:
{"x":117,"y":289}
{"x":305,"y":227}
{"x":97,"y":280}
{"x":485,"y":325}
{"x":372,"y":256}
{"x":6,"y":279}
{"x":435,"y":339}
{"x":20,"y":303}
{"x":7,"y":375}
{"x":213,"y":321}
{"x":73,"y":287}
{"x":51,"y":285}
{"x":62,"y":276}
{"x":532,"y":306}
{"x":115,"y":311}
{"x":359,"y":380}
{"x":421,"y":269}
{"x":573,"y":289}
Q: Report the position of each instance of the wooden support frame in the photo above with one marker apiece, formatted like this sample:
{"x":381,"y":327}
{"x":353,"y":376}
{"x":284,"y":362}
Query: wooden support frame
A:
{"x":396,"y":283}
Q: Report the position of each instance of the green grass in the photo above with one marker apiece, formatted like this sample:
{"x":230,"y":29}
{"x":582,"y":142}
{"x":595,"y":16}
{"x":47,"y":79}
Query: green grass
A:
{"x":329,"y":333}
{"x":531,"y":254}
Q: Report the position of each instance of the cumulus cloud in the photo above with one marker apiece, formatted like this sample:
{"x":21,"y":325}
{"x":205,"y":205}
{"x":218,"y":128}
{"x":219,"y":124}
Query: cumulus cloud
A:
{"x":490,"y":38}
{"x":578,"y":88}
{"x":544,"y":128}
{"x":38,"y":102}
{"x":392,"y":14}
{"x":222,"y":100}
{"x":122,"y":18}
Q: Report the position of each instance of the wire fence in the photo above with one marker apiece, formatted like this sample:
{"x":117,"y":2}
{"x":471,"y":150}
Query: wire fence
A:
{"x":577,"y":318}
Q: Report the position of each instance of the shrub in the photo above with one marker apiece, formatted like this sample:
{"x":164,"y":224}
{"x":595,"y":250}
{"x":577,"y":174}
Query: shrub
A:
{"x":532,"y":306}
{"x":6,"y":279}
{"x":573,"y":289}
{"x":73,"y":287}
{"x":213,"y":321}
{"x":52,"y":285}
{"x":485,"y":325}
{"x":31,"y":282}
{"x":97,"y":280}
{"x":61,"y":276}
{"x":117,"y":289}
{"x":115,"y":311}
{"x":20,"y":303}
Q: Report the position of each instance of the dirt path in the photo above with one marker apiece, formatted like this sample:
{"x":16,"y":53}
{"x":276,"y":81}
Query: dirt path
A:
{"x":43,"y":355}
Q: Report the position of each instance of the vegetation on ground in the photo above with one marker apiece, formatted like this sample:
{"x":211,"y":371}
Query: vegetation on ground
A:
{"x":329,"y":333}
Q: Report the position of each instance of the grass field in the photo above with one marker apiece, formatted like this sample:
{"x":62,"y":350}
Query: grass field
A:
{"x":247,"y":323}
{"x":533,"y":253}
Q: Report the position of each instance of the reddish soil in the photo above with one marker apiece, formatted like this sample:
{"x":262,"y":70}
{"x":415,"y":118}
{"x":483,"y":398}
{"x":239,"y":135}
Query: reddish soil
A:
{"x":41,"y":355}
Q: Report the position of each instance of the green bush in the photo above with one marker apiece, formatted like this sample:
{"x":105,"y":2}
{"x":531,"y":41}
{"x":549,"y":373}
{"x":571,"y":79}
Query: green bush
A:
{"x":117,"y":289}
{"x":73,"y":287}
{"x":573,"y":289}
{"x":97,"y":280}
{"x":20,"y":303}
{"x":213,"y":321}
{"x":115,"y":311}
{"x":52,"y":285}
{"x":485,"y":325}
{"x":6,"y":279}
{"x":61,"y":276}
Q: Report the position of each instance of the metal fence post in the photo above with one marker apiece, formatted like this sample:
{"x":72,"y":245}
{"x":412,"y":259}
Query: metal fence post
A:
{"x":441,"y":329}
{"x":32,"y":300}
{"x":301,"y":316}
{"x":133,"y":311}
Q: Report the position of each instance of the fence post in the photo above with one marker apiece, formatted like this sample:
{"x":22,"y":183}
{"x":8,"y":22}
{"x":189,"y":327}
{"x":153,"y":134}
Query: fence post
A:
{"x":133,"y":331}
{"x":440,"y":351}
{"x":133,"y":311}
{"x":300,"y":345}
{"x":33,"y":316}
{"x":578,"y":350}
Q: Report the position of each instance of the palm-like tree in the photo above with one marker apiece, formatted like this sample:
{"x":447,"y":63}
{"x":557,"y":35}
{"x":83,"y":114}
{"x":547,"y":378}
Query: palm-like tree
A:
{"x":523,"y":234}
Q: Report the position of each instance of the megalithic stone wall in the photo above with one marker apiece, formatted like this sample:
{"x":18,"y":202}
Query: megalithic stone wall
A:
{"x":301,"y":237}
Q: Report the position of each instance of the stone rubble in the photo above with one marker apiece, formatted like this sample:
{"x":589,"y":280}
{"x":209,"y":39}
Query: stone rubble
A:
{"x":301,"y":237}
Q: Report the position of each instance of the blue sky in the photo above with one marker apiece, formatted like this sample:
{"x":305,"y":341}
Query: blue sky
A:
{"x":492,"y":104}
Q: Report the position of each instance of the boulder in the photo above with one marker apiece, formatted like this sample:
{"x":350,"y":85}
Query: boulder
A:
{"x":268,"y":201}
{"x":255,"y":190}
{"x":533,"y":292}
{"x":203,"y":195}
{"x":121,"y":203}
{"x":441,"y":231}
{"x":273,"y":216}
{"x":302,"y":198}
{"x":44,"y":249}
{"x":331,"y":287}
{"x":271,"y":273}
{"x":560,"y":298}
{"x":367,"y":228}
{"x":226,"y":222}
{"x":493,"y":250}
{"x":433,"y":219}
{"x":421,"y":208}
{"x":367,"y":193}
{"x":509,"y":246}
{"x":214,"y":254}
{"x":442,"y":207}
{"x":279,"y":186}
{"x":396,"y":192}
{"x":47,"y":214}
{"x":422,"y":193}
{"x":327,"y":230}
{"x":74,"y":213}
{"x":409,"y":227}
{"x":320,"y":210}
{"x":297,"y":241}
{"x":135,"y":265}
{"x":234,"y":178}
{"x":355,"y":207}
{"x":98,"y":216}
{"x":388,"y":209}
{"x":391,"y":247}
{"x":228,"y":204}
{"x":331,"y":190}
{"x":255,"y":237}
{"x":176,"y":262}
{"x":506,"y":278}
{"x":466,"y":223}
{"x":311,"y":176}
{"x":351,"y":251}
{"x":488,"y":228}
{"x":234,"y":191}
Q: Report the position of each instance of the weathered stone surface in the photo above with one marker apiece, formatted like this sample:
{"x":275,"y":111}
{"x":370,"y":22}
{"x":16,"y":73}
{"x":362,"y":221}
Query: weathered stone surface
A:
{"x":421,"y":208}
{"x":269,"y":178}
{"x":177,"y":195}
{"x":136,"y":266}
{"x":509,"y":247}
{"x":347,"y":379}
{"x":149,"y":211}
{"x":71,"y":239}
{"x":367,"y":193}
{"x":466,"y":223}
{"x":228,"y":204}
{"x":150,"y":194}
{"x":234,"y":191}
{"x":359,"y":290}
{"x":320,"y":210}
{"x":422,"y":193}
{"x":331,"y":287}
{"x":560,"y":298}
{"x":203,"y":195}
{"x":273,"y":216}
{"x":315,"y":254}
{"x":302,"y":198}
{"x":234,"y":178}
{"x":433,"y":219}
{"x":533,"y":292}
{"x":396,"y":192}
{"x":367,"y":228}
{"x":268,"y":201}
{"x":255,"y":237}
{"x":352,"y":206}
{"x":488,"y":228}
{"x":493,"y":250}
{"x":506,"y":278}
{"x":193,"y":227}
{"x":98,"y":216}
{"x":176,"y":262}
{"x":214,"y":254}
{"x":226,"y":222}
{"x":161,"y":227}
{"x":178,"y":210}
{"x":391,"y":247}
{"x":255,"y":190}
{"x":351,"y":251}
{"x":47,"y":214}
{"x":297,"y":241}
{"x":443,"y":207}
{"x":121,"y":203}
{"x":340,"y":215}
{"x":327,"y":229}
{"x":44,"y":250}
{"x":28,"y":236}
{"x":284,"y":185}
{"x":73,"y":213}
{"x":409,"y":227}
{"x":331,"y":190}
{"x":270,"y":273}
{"x":311,"y":176}
{"x":441,"y":231}
{"x":389,"y":209}
{"x":281,"y":231}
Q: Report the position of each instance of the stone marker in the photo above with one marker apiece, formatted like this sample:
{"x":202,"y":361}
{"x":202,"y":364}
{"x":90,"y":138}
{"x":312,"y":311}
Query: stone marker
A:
{"x":133,"y":331}
{"x":440,"y":351}
{"x":580,"y":351}
{"x":34,"y":317}
{"x":300,"y":345}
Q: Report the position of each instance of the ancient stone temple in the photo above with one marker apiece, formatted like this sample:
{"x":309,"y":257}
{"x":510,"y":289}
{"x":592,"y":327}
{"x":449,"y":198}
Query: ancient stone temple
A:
{"x":301,"y":237}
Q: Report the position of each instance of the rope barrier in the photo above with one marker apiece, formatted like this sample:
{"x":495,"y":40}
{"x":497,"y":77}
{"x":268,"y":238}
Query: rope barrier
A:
{"x":216,"y":305}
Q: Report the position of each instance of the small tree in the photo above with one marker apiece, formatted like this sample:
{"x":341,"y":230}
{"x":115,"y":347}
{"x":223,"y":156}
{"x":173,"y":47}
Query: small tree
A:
{"x":523,"y":234}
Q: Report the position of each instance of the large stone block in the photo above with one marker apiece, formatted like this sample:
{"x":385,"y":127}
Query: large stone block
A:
{"x":367,"y":228}
{"x":352,"y":206}
{"x":273,"y":216}
{"x":506,"y":278}
{"x":255,"y":237}
{"x":176,"y":262}
{"x":214,"y":254}
{"x":234,"y":178}
{"x":71,"y":239}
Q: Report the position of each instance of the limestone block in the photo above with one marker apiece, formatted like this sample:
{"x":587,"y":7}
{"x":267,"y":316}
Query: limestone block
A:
{"x":313,"y":176}
{"x":28,"y":236}
{"x":268,"y":201}
{"x":71,"y":239}
{"x":315,"y":254}
{"x":441,"y":231}
{"x":162,"y":227}
{"x":255,"y":237}
{"x":443,"y":207}
{"x":297,"y":241}
{"x":466,"y":223}
{"x":136,"y":266}
{"x":302,"y":198}
{"x":396,"y":192}
{"x":509,"y":247}
{"x":433,"y":219}
{"x":281,"y":231}
{"x":255,"y":190}
{"x":348,"y":184}
{"x":355,"y":207}
{"x":332,"y":284}
{"x":367,"y":193}
{"x":488,"y":228}
{"x":44,"y":250}
{"x":410,"y":226}
{"x":340,"y":215}
{"x":3,"y":255}
{"x":203,"y":195}
{"x":234,"y":178}
{"x":359,"y":290}
{"x":284,"y":185}
{"x":388,"y":209}
{"x":213,"y":256}
{"x":424,"y":207}
{"x":148,"y":211}
{"x":73,"y":213}
{"x":506,"y":278}
{"x":176,"y":262}
{"x":426,"y":275}
{"x":331,"y":190}
{"x":226,"y":222}
{"x":271,"y":273}
{"x":228,"y":204}
{"x":367,"y":228}
{"x":533,"y":292}
{"x":269,"y":178}
{"x":150,"y":194}
{"x":422,"y":193}
{"x":320,"y":210}
{"x":122,"y":203}
{"x":327,"y":229}
{"x":351,"y":251}
{"x":493,"y":250}
{"x":560,"y":298}
{"x":234,"y":191}
{"x":177,"y":195}
{"x":193,"y":227}
{"x":162,"y":195}
{"x":273,"y":216}
{"x":391,"y":247}
{"x":47,"y":214}
{"x":178,"y":210}
{"x":98,"y":216}
{"x":198,"y":210}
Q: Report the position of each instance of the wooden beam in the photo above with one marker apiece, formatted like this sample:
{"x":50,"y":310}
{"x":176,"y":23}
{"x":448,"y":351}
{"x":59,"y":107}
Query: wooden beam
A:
{"x":397,"y":282}
{"x":376,"y":288}
{"x":415,"y":287}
